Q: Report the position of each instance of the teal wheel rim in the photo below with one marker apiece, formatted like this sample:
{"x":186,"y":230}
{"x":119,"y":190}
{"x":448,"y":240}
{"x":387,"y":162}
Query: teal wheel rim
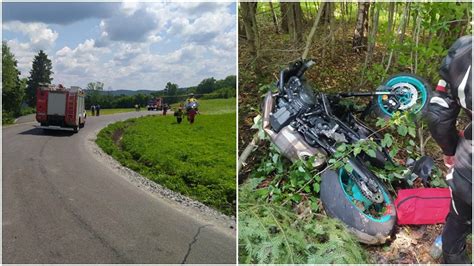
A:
{"x":357,"y":195}
{"x":407,"y":97}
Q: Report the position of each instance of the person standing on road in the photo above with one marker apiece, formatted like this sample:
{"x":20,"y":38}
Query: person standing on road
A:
{"x":165,"y":108}
{"x":97,"y":108}
{"x":93,"y":110}
{"x":454,"y":93}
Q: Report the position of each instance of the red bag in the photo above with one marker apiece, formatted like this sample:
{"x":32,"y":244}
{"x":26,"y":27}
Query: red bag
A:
{"x":423,"y":205}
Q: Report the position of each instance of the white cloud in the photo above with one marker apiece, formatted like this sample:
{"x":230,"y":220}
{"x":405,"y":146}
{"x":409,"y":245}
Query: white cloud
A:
{"x":41,"y":37}
{"x":141,"y":46}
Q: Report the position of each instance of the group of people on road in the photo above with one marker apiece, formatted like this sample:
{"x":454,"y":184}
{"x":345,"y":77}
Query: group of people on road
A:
{"x":95,"y":110}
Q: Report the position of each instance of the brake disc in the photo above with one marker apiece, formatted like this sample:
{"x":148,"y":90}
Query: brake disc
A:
{"x":370,"y":189}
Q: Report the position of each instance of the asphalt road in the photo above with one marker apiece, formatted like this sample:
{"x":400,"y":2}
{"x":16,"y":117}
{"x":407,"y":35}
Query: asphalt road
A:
{"x":62,"y":205}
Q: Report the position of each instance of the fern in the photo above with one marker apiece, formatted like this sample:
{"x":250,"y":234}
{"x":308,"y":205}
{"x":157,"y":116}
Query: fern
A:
{"x":271,"y":233}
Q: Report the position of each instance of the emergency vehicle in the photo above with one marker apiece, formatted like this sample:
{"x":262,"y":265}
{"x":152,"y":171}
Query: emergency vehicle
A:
{"x":58,"y":107}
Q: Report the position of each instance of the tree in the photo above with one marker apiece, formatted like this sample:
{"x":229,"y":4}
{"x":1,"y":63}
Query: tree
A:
{"x":95,"y":86}
{"x":274,"y":17}
{"x":362,"y":16}
{"x":295,"y":21}
{"x":13,"y":89}
{"x":284,"y":16}
{"x":171,"y":89}
{"x":40,"y":73}
{"x":248,"y":12}
{"x":207,"y":85}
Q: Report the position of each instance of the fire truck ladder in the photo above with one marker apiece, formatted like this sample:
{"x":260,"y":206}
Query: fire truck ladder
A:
{"x":70,"y":107}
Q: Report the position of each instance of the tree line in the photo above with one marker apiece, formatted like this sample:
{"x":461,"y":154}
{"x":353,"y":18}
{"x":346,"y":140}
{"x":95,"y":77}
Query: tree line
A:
{"x":208,"y":88}
{"x":407,"y":35}
{"x":19,"y":94}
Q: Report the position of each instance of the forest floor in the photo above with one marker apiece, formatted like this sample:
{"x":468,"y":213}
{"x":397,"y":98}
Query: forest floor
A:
{"x":338,"y":69}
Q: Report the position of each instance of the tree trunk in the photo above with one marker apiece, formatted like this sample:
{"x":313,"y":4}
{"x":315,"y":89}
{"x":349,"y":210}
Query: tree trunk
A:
{"x":358,"y":38}
{"x":313,"y":30}
{"x":332,"y":28}
{"x":295,"y":22}
{"x":284,"y":16}
{"x":250,"y":23}
{"x":274,"y":17}
{"x":406,"y":16}
{"x":326,"y":17}
{"x":391,"y":9}
{"x":373,"y":35}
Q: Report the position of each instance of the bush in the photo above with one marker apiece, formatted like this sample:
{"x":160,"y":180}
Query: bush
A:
{"x":7,"y":118}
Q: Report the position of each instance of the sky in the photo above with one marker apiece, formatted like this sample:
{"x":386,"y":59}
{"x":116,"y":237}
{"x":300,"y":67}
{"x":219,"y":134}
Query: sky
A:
{"x":128,"y":45}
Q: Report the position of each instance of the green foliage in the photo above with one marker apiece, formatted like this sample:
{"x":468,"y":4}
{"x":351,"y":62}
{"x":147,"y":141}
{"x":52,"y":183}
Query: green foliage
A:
{"x":13,"y":88}
{"x":206,"y":86}
{"x":41,"y":72}
{"x":297,"y":182}
{"x":223,"y":93}
{"x":270,"y":233}
{"x":196,"y":160}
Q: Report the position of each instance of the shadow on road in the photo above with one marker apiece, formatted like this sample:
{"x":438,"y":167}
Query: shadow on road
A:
{"x":47,"y":132}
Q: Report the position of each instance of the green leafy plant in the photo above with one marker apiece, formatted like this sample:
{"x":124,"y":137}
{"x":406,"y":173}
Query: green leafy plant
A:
{"x":272,"y":233}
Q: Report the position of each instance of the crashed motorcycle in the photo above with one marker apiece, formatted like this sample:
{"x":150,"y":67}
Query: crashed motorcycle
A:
{"x":305,"y":124}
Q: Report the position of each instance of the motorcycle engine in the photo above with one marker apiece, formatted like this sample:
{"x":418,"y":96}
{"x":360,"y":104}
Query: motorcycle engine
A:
{"x":298,"y":99}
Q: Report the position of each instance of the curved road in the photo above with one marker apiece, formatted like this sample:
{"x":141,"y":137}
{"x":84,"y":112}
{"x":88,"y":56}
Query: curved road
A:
{"x":62,"y":205}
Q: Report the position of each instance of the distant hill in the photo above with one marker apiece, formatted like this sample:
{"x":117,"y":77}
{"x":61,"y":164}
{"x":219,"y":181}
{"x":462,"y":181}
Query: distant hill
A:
{"x":134,"y":92}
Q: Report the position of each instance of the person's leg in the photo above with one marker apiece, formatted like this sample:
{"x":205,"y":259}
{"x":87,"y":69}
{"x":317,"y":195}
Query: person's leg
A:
{"x":458,"y":226}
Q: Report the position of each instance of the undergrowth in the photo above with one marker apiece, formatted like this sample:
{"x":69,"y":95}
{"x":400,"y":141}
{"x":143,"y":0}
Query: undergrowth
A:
{"x":272,"y":233}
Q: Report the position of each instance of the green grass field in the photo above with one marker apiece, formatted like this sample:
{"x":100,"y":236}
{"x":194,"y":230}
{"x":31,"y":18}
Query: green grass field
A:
{"x":214,"y":106}
{"x":196,"y":160}
{"x":112,"y":111}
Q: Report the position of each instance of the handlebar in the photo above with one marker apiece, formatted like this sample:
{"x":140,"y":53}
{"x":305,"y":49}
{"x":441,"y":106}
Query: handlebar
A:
{"x":296,"y":69}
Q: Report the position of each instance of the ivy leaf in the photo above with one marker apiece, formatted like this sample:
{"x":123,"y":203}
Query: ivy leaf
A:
{"x":411,"y":142}
{"x":301,"y":169}
{"x":402,"y":130}
{"x":357,"y":150}
{"x":316,"y":187}
{"x":371,"y":153}
{"x":380,"y":122}
{"x":348,"y":167}
{"x":256,"y":122}
{"x":412,"y":131}
{"x":296,"y":197}
{"x":307,"y":189}
{"x":387,"y":140}
{"x":393,"y":152}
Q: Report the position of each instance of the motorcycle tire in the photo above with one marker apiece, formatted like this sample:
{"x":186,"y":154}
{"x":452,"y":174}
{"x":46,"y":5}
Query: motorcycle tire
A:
{"x":337,"y":204}
{"x":412,"y":82}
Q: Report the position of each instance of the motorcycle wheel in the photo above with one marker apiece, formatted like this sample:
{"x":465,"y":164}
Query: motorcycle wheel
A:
{"x":340,"y":204}
{"x":413,"y":85}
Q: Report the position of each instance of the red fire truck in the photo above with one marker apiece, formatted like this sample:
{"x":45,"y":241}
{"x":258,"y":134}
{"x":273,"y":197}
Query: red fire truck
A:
{"x":60,"y":108}
{"x":155,"y":104}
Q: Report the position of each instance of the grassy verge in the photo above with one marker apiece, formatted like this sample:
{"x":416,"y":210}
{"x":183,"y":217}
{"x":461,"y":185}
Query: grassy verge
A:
{"x":112,"y":111}
{"x":196,"y":160}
